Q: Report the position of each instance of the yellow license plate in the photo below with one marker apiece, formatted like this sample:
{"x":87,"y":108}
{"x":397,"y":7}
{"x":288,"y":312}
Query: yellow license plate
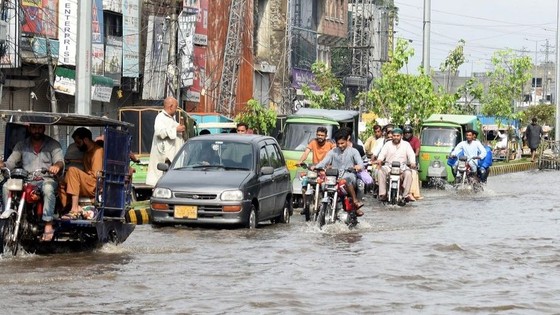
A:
{"x":186,"y":212}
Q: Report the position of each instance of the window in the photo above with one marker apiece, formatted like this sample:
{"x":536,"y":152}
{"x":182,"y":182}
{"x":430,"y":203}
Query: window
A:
{"x":273,"y":156}
{"x":112,"y":23}
{"x":263,"y":158}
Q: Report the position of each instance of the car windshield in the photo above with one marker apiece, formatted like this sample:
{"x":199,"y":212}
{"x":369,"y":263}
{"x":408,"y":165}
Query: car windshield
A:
{"x":218,"y":154}
{"x":297,"y":136}
{"x":439,"y":137}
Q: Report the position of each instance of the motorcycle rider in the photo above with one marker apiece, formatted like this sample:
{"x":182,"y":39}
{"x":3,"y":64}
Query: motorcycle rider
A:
{"x":344,"y":157}
{"x":401,"y":151}
{"x":471,"y":148}
{"x":319,"y":146}
{"x":35,"y":152}
{"x":408,"y":136}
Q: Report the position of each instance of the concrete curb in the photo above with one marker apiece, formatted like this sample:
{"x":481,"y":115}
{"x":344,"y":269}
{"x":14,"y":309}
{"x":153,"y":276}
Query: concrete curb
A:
{"x":512,"y":168}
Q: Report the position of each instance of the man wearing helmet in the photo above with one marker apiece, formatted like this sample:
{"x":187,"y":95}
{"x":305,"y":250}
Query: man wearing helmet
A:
{"x":415,"y":144}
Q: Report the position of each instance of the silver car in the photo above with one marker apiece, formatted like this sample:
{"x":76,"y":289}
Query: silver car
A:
{"x":229,"y":179}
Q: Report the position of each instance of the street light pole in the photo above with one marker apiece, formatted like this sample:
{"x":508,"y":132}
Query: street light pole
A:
{"x":535,"y":72}
{"x":557,"y":126}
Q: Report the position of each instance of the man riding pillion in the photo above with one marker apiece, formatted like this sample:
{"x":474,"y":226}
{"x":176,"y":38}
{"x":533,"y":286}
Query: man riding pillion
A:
{"x":393,"y":151}
{"x":471,"y":148}
{"x":344,"y":157}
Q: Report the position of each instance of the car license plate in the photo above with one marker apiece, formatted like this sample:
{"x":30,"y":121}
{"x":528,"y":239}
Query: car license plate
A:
{"x":188,"y":212}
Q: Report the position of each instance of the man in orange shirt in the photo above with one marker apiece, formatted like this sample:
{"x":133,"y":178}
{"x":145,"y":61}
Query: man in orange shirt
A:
{"x":82,"y":183}
{"x":320,"y":146}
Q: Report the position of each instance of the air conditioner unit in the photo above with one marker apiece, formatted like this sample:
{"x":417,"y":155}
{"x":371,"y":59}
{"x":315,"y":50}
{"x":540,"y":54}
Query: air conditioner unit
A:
{"x":3,"y":31}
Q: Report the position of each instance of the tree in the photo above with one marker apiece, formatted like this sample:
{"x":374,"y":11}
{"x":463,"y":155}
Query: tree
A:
{"x":451,"y":64}
{"x":403,"y":97}
{"x":257,"y":117}
{"x":545,"y":113}
{"x":332,"y":96}
{"x":505,"y":89}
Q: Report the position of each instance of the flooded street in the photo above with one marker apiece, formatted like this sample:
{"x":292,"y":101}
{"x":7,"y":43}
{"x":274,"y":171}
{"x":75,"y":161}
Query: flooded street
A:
{"x":497,"y":252}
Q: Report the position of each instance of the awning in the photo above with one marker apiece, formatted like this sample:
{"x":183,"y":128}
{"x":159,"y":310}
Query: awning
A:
{"x":65,"y":82}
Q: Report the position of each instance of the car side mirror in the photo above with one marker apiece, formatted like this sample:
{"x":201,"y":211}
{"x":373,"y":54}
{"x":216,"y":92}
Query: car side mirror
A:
{"x":267,"y":170}
{"x":162,"y":167}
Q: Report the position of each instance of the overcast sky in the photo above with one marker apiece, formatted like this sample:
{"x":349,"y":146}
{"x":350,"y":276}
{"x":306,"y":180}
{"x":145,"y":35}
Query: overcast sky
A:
{"x":485,"y":25}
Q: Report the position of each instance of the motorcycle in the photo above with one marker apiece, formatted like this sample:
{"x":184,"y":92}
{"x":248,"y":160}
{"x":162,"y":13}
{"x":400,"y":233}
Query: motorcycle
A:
{"x":310,"y":180}
{"x":466,"y":179}
{"x":335,"y":197}
{"x":394,"y":185}
{"x":23,"y":209}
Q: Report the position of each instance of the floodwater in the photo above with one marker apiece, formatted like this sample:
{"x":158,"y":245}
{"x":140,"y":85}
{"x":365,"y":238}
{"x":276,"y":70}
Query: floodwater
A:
{"x":496,"y":252}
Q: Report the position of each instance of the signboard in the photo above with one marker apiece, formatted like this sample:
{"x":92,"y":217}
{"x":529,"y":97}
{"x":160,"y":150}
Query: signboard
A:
{"x":113,"y":59}
{"x":40,"y":17}
{"x":201,"y":27}
{"x":193,"y":93}
{"x":65,"y":82}
{"x":67,"y":36}
{"x":131,"y":38}
{"x":156,"y":59}
{"x":187,"y":20}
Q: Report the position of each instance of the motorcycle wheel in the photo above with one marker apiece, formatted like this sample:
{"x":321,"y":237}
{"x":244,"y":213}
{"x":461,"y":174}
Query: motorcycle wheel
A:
{"x":8,"y":228}
{"x":307,"y":212}
{"x":321,"y":215}
{"x":394,"y":196}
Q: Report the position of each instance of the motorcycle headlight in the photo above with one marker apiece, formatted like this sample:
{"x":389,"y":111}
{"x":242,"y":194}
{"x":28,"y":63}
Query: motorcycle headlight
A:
{"x":331,"y":180}
{"x":232,"y":195}
{"x":436,"y":164}
{"x":395,"y":170}
{"x":164,"y":193}
{"x":311,"y":175}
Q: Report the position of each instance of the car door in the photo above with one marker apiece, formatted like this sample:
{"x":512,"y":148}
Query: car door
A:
{"x":266,"y":184}
{"x":281,"y":176}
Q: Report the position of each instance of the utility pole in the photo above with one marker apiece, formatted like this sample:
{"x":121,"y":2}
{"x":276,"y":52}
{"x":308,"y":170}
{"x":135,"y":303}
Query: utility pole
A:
{"x":52,"y":93}
{"x":172,"y":69}
{"x":557,"y":126}
{"x":83,"y":59}
{"x":426,"y":37}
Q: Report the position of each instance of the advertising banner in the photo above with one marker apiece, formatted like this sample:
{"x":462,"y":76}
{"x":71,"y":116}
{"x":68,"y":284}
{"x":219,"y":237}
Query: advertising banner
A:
{"x":68,"y":34}
{"x":113,"y":5}
{"x":40,"y":17}
{"x":156,"y":60}
{"x":193,"y":93}
{"x":65,"y":82}
{"x":187,"y":20}
{"x":201,"y":27}
{"x":131,"y":38}
{"x":113,"y":59}
{"x":97,"y":38}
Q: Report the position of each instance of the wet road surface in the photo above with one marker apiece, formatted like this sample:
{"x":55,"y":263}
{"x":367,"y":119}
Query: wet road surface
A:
{"x":496,"y":252}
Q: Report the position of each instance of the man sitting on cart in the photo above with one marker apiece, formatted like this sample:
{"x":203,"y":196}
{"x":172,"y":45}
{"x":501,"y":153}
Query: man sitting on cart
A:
{"x":36,"y":152}
{"x":82,"y":183}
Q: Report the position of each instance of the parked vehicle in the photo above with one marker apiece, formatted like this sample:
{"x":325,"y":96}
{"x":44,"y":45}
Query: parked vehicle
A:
{"x":335,"y":198}
{"x":440,"y":134}
{"x":22,"y":227}
{"x":226,"y":179}
{"x":301,"y":128}
{"x":142,"y":118}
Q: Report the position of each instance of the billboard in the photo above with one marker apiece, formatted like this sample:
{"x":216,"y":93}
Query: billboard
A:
{"x":40,"y":17}
{"x":68,"y":35}
{"x":131,"y":38}
{"x":156,"y":59}
{"x":113,"y":59}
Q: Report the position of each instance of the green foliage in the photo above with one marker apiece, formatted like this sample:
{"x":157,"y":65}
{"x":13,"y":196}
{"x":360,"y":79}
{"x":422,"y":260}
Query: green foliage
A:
{"x":257,"y":117}
{"x":545,"y":113}
{"x":403,"y":97}
{"x":451,"y":64}
{"x":510,"y":73}
{"x":332,"y":96}
{"x":472,"y":90}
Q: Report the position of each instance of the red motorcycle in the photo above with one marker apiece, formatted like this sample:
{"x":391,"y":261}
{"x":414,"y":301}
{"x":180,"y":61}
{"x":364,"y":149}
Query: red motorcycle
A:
{"x":21,"y":220}
{"x":335,"y":197}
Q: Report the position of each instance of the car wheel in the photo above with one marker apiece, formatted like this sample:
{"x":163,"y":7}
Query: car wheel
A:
{"x":252,"y":218}
{"x":286,"y":212}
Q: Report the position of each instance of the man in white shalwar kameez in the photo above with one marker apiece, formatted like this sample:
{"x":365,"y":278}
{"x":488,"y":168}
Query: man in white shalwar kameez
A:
{"x":167,"y":139}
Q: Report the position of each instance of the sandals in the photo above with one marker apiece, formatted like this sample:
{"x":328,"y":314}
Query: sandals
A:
{"x":47,"y":236}
{"x":71,"y":216}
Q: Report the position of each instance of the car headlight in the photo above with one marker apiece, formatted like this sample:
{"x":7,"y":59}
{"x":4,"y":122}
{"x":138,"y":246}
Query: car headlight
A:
{"x":164,"y":193}
{"x":232,"y":195}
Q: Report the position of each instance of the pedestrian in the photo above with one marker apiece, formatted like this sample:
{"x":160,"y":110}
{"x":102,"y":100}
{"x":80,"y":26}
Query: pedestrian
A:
{"x":533,"y":135}
{"x":167,"y":139}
